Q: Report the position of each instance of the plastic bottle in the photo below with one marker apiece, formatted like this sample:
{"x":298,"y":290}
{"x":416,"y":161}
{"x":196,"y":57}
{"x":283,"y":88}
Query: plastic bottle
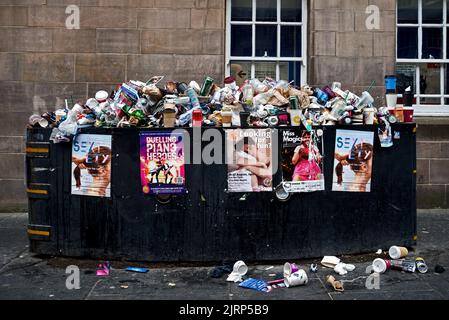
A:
{"x":193,"y":98}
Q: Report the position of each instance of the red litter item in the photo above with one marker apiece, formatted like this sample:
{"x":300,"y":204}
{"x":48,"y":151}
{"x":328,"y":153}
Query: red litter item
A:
{"x":197,"y":118}
{"x":229,"y":80}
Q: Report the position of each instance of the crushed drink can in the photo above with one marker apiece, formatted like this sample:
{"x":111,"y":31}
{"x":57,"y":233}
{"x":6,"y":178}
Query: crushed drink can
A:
{"x":421,"y":265}
{"x":322,"y":97}
{"x":403,"y":265}
{"x":294,"y":102}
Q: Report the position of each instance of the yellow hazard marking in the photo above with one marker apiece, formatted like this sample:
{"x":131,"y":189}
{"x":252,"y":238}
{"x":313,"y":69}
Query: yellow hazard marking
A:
{"x":38,"y":233}
{"x":36,"y":150}
{"x":35,"y":191}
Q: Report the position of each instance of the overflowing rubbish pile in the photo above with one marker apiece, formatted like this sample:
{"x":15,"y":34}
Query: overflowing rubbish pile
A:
{"x":256,"y":103}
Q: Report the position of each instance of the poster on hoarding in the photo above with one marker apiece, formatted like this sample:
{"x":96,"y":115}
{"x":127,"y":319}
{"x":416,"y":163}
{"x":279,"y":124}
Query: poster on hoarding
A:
{"x":162,"y":163}
{"x":249,"y":159}
{"x":302,"y":161}
{"x":353,"y":161}
{"x":91,"y":165}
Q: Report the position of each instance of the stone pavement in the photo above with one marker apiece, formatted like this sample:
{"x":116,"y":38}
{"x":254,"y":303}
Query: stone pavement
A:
{"x":25,"y":276}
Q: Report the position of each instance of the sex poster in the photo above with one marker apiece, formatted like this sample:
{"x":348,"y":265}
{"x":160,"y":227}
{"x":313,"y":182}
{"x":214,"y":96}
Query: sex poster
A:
{"x":249,"y":159}
{"x":302,"y":161}
{"x":91,"y":165}
{"x":353,"y":161}
{"x":162,"y":163}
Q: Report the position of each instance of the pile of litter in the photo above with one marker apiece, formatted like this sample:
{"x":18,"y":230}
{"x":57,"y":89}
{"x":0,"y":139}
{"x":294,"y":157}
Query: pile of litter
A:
{"x":256,"y":103}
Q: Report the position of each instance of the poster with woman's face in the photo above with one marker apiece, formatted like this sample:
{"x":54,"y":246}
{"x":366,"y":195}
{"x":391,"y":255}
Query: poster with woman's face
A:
{"x":249,"y":158}
{"x":353,"y":161}
{"x":302,"y":161}
{"x":91,"y":165}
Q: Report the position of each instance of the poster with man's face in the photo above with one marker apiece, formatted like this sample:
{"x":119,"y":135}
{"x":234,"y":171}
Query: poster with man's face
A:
{"x":353,"y":161}
{"x":249,"y":158}
{"x":91,"y":165}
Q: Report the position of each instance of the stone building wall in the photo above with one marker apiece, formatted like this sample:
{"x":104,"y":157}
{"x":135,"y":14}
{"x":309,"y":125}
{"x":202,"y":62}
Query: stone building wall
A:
{"x":42,"y":62}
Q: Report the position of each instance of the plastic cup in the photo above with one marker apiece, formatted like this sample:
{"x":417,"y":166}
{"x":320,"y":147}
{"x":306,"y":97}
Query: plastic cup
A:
{"x":396,"y":252}
{"x":240,"y":268}
{"x":392,"y":100}
{"x":289,"y":269}
{"x":381,"y":265}
{"x":299,"y":278}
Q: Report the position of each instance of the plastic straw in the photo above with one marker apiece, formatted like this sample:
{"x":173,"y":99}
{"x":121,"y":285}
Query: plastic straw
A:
{"x":371,"y":86}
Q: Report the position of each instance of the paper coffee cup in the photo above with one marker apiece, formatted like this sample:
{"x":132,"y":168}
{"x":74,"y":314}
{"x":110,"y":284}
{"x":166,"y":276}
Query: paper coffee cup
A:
{"x":289,"y":269}
{"x":226,"y":118}
{"x":101,"y":96}
{"x":169,"y":118}
{"x":398,"y":252}
{"x":392,"y":100}
{"x":299,"y":278}
{"x":295,"y":116}
{"x":368,"y":115}
{"x":381,"y":265}
{"x":240,"y":268}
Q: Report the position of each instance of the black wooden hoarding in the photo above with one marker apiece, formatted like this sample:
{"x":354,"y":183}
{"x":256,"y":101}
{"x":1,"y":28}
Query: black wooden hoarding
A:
{"x":210,"y":224}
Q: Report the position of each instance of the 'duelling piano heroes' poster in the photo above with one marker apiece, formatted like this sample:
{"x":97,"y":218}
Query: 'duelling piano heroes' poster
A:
{"x":162,"y":163}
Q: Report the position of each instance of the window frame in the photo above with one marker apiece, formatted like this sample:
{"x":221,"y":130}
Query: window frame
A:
{"x":427,"y":109}
{"x":253,"y":59}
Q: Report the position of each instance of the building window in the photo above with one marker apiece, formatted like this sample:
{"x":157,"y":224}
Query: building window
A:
{"x":422,"y":53}
{"x":266,"y":38}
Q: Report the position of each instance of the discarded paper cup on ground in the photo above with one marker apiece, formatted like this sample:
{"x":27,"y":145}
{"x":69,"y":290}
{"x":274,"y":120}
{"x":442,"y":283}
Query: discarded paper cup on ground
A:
{"x":299,"y":278}
{"x":330,"y":262}
{"x":398,"y":252}
{"x":381,"y":265}
{"x":289,"y":269}
{"x":240,"y":268}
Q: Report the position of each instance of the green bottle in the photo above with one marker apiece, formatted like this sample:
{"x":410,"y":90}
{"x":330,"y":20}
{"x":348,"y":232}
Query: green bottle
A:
{"x":207,"y":86}
{"x":133,"y":112}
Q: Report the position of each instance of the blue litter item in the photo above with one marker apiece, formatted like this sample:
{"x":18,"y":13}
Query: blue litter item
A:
{"x":258,"y":285}
{"x":139,"y":270}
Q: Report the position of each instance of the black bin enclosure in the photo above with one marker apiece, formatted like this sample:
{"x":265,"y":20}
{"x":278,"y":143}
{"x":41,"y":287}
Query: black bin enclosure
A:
{"x":209,"y":224}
